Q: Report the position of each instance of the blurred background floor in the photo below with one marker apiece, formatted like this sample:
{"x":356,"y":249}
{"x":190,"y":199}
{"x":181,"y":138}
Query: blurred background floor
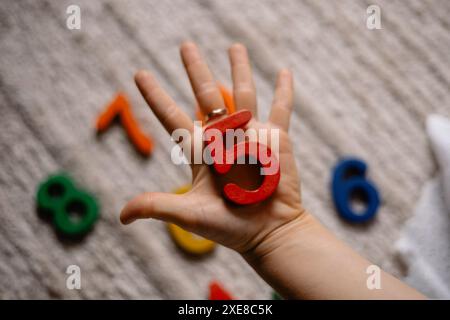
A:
{"x":358,"y":92}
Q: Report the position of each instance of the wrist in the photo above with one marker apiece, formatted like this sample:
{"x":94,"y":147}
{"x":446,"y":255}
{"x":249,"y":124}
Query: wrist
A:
{"x":281,"y":257}
{"x":282,"y":237}
{"x":303,"y":260}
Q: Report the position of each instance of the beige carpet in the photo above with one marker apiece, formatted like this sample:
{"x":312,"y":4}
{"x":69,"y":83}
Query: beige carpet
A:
{"x":358,"y":92}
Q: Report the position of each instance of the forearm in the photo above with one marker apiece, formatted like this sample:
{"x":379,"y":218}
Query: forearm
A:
{"x":303,"y":260}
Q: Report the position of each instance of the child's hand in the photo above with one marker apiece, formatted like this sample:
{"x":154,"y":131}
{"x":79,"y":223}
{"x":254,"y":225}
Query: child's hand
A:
{"x":203,"y":210}
{"x":291,"y":250}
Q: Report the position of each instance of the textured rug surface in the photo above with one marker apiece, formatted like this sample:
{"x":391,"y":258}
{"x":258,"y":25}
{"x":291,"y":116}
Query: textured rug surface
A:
{"x":359,"y":92}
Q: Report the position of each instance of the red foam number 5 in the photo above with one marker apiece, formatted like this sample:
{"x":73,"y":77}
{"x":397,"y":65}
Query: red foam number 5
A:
{"x":232,"y":191}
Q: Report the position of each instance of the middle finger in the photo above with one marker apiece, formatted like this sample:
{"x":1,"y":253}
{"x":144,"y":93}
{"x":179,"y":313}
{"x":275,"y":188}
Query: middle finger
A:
{"x":205,"y":87}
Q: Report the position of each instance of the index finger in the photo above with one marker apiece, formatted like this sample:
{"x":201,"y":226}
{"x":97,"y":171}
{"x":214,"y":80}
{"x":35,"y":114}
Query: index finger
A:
{"x":165,"y":109}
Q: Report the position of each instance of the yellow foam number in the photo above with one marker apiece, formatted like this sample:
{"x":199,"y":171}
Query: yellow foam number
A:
{"x":186,"y":240}
{"x":183,"y":189}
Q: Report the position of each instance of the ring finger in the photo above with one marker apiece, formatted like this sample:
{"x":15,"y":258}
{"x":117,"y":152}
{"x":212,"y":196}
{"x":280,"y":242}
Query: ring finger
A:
{"x":244,"y":91}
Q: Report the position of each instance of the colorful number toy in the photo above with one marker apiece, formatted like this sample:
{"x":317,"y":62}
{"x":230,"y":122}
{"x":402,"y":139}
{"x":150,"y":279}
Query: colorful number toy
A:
{"x":232,"y":191}
{"x":121,"y":107}
{"x":276,"y":296}
{"x":186,"y":240}
{"x":74,"y":211}
{"x":348,"y":180}
{"x":216,"y":292}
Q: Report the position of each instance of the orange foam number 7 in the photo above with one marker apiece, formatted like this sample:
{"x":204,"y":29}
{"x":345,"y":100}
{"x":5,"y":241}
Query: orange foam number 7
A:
{"x":120,"y":107}
{"x":232,"y":191}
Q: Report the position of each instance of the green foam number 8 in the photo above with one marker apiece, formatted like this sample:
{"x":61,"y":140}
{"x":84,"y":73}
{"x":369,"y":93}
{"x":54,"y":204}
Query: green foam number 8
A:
{"x":74,"y":211}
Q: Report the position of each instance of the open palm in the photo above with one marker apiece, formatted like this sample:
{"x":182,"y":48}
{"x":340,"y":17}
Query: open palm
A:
{"x":203,"y":210}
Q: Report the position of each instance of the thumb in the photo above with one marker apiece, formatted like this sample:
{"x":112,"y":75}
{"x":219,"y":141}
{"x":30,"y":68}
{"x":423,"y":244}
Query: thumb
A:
{"x":173,"y":208}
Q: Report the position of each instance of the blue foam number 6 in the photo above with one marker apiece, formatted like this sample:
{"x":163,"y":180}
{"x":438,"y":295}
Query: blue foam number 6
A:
{"x":349,"y":178}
